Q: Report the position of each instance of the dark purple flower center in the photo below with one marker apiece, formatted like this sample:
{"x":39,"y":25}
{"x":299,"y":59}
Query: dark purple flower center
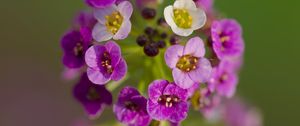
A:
{"x":131,"y":106}
{"x":223,"y":77}
{"x":224,"y":38}
{"x":92,"y":94}
{"x":78,"y":49}
{"x":187,"y":63}
{"x":168,"y":100}
{"x":106,"y":62}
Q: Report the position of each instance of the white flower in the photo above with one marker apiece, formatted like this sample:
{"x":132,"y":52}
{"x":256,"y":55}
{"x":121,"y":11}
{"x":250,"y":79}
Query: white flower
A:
{"x":184,"y":17}
{"x":113,"y":22}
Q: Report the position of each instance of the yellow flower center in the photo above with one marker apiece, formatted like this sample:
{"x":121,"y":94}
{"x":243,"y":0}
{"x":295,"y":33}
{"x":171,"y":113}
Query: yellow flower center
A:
{"x":182,"y":18}
{"x":187,"y":63}
{"x":114,"y":22}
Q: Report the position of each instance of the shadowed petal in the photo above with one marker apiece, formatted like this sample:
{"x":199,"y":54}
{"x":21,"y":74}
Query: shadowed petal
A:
{"x":203,"y":71}
{"x":173,"y":54}
{"x":182,"y":79}
{"x":97,"y":77}
{"x":119,"y":71}
{"x":100,"y":33}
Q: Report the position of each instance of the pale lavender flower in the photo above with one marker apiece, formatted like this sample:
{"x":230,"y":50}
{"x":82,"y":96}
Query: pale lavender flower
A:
{"x":105,"y":63}
{"x":113,"y":22}
{"x":227,"y":39}
{"x":130,"y":108}
{"x":92,"y":97}
{"x":188,"y":63}
{"x":167,"y":101}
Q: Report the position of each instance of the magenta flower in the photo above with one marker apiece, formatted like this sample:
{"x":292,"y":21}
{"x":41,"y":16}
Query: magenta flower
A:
{"x":237,"y":113}
{"x":113,"y":22}
{"x":85,"y":19}
{"x":188,"y":63}
{"x":224,"y":79}
{"x":130,"y":108}
{"x":205,"y":4}
{"x":105,"y":63}
{"x":227,"y":38}
{"x":209,"y":103}
{"x":100,"y":3}
{"x":167,"y":101}
{"x":93,"y":97}
{"x":74,"y":45}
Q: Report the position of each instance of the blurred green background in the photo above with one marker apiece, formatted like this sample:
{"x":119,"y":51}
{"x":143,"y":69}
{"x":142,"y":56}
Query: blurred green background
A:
{"x":32,"y":92}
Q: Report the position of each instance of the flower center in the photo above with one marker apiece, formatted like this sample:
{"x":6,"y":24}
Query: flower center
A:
{"x":106,"y":62}
{"x":223,"y":78}
{"x":168,"y":100}
{"x":114,"y":22}
{"x":92,"y":94}
{"x":182,"y":18}
{"x":187,"y":63}
{"x":78,"y":49}
{"x":131,"y":106}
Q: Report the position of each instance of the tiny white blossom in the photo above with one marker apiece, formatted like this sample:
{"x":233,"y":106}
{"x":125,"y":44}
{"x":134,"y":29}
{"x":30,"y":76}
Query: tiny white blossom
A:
{"x":184,"y":17}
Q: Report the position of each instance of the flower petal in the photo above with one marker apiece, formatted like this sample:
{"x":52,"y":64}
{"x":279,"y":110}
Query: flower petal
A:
{"x":125,"y":8}
{"x":203,"y":71}
{"x":199,"y":18}
{"x":187,"y":4}
{"x":157,"y":111}
{"x":124,"y":30}
{"x":182,"y":79}
{"x":100,"y":13}
{"x":173,"y":54}
{"x":114,"y":51}
{"x":92,"y":55}
{"x":123,"y":114}
{"x":179,"y":112}
{"x":156,"y":89}
{"x":97,"y":77}
{"x":173,"y":89}
{"x":120,"y":70}
{"x":100,"y":33}
{"x":169,"y":16}
{"x":181,"y":31}
{"x":195,"y":47}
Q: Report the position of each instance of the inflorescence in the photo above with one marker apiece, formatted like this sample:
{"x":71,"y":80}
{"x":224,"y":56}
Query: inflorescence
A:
{"x":203,"y":52}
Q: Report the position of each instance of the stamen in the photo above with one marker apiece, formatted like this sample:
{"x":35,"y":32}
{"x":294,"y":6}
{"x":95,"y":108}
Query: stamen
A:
{"x":113,"y":22}
{"x":187,"y":63}
{"x":182,"y":18}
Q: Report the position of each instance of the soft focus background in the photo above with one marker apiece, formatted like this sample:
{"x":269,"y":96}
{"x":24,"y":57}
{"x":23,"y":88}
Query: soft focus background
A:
{"x":32,"y":92}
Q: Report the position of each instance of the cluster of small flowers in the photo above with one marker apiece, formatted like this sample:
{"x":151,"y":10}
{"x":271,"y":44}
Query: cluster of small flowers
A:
{"x":204,"y":72}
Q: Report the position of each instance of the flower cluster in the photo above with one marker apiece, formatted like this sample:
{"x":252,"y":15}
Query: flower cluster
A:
{"x":202,"y":56}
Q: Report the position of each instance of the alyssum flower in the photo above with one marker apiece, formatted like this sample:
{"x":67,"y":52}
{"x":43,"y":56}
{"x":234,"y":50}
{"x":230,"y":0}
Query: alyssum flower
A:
{"x":100,"y":3}
{"x":224,"y":79}
{"x":184,"y":17}
{"x":227,"y":39}
{"x":130,"y":108}
{"x":113,"y":22}
{"x":74,"y":44}
{"x":93,"y":97}
{"x":167,"y":101}
{"x":188,"y":63}
{"x":105,"y":63}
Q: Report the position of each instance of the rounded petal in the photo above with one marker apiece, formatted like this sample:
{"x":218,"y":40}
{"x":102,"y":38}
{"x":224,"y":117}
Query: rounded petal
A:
{"x":169,"y":16}
{"x":156,"y":88}
{"x":100,"y":33}
{"x":182,"y":79}
{"x":157,"y":111}
{"x":123,"y":114}
{"x":195,"y":47}
{"x":72,"y":61}
{"x":125,"y":8}
{"x":199,"y":18}
{"x":173,"y":54}
{"x":120,"y":70}
{"x":203,"y":71}
{"x":97,"y":77}
{"x":124,"y":30}
{"x":180,"y":113}
{"x":92,"y":55}
{"x":187,"y":4}
{"x":228,"y":88}
{"x":100,"y":3}
{"x":181,"y":31}
{"x":114,"y":51}
{"x":100,"y":13}
{"x":173,"y":89}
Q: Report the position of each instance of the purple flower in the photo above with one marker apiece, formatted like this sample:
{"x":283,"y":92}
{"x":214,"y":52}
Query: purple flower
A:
{"x":74,"y":45}
{"x":93,"y":97}
{"x":227,"y":38}
{"x":105,"y":63}
{"x":188,"y":63}
{"x":209,"y":104}
{"x":85,"y":19}
{"x":224,"y":79}
{"x":167,"y":101}
{"x":205,"y":4}
{"x":113,"y":22}
{"x":131,"y":108}
{"x":237,"y":113}
{"x":100,"y":3}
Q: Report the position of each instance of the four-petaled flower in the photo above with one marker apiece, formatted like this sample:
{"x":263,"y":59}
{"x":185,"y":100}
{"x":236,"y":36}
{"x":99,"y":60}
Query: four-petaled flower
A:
{"x":184,"y":17}
{"x":105,"y":63}
{"x":224,"y":79}
{"x":167,"y":101}
{"x":93,"y":97}
{"x":74,"y":44}
{"x":227,"y":39}
{"x":113,"y":22}
{"x":188,"y":63}
{"x":130,"y":108}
